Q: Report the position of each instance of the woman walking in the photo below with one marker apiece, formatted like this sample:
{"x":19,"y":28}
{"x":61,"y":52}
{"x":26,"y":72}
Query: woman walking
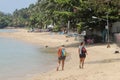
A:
{"x":82,"y":54}
{"x":61,"y":57}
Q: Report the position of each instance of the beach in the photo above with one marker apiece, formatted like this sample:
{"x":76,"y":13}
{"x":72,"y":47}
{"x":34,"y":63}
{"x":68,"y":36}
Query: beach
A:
{"x":101,"y":62}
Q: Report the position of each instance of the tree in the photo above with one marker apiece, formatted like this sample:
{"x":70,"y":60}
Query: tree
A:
{"x":59,"y":12}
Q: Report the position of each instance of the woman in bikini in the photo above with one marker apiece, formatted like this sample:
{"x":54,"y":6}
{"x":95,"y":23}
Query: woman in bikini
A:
{"x":82,"y":54}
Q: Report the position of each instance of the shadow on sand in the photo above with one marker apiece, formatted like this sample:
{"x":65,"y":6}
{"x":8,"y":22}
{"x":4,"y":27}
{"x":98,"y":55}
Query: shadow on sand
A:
{"x":104,"y":61}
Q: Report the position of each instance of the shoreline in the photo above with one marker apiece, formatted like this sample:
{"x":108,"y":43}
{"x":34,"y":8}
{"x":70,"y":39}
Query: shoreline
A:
{"x":101,"y":63}
{"x":40,"y":38}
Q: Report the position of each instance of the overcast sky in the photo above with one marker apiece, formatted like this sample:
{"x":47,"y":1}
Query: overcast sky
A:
{"x":8,"y":6}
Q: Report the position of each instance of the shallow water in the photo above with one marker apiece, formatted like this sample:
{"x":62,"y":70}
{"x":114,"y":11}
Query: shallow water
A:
{"x":19,"y":60}
{"x":8,"y":30}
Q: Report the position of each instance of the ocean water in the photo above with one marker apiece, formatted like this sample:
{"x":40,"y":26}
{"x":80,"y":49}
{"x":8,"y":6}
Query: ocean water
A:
{"x":8,"y":30}
{"x":20,"y":60}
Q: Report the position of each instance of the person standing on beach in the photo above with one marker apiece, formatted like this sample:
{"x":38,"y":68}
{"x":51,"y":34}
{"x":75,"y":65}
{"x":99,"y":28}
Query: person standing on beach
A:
{"x":61,"y":57}
{"x":82,"y":54}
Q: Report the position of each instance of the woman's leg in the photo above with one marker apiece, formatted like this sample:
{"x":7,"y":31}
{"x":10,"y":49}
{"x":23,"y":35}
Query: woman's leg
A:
{"x":63,"y":61}
{"x":83,"y":59}
{"x":59,"y":61}
{"x":80,"y":63}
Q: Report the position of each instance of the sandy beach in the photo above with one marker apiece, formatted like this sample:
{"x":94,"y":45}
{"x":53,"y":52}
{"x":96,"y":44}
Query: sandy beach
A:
{"x":101,"y":62}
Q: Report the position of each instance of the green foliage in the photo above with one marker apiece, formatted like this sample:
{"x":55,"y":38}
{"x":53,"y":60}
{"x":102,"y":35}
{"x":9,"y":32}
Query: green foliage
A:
{"x":5,"y":20}
{"x":63,"y":14}
{"x":58,"y":12}
{"x":80,"y":26}
{"x":56,"y":28}
{"x":62,"y":1}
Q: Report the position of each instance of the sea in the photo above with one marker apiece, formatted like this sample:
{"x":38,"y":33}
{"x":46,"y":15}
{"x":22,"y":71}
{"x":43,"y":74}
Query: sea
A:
{"x":20,"y":60}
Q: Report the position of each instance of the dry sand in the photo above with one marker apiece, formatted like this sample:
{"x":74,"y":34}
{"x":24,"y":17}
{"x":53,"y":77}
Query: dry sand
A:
{"x":101,"y":62}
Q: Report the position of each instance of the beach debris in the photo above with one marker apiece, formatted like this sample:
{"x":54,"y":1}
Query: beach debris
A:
{"x":116,"y":52}
{"x":46,"y":46}
{"x":67,"y":40}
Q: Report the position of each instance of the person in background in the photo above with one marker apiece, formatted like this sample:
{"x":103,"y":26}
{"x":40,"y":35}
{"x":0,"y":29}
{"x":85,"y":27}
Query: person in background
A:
{"x":82,"y":54}
{"x":61,"y":57}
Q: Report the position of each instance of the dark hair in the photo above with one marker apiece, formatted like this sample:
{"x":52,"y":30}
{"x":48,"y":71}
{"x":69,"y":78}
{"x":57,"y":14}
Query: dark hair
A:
{"x":63,"y":45}
{"x":81,"y":43}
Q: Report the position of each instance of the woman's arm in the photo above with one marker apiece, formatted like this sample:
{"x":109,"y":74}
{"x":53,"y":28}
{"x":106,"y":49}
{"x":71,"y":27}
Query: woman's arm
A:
{"x":78,"y":50}
{"x":86,"y":51}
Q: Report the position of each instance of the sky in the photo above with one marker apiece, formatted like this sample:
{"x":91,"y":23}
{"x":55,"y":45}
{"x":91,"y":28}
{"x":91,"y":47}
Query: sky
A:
{"x":9,"y":6}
